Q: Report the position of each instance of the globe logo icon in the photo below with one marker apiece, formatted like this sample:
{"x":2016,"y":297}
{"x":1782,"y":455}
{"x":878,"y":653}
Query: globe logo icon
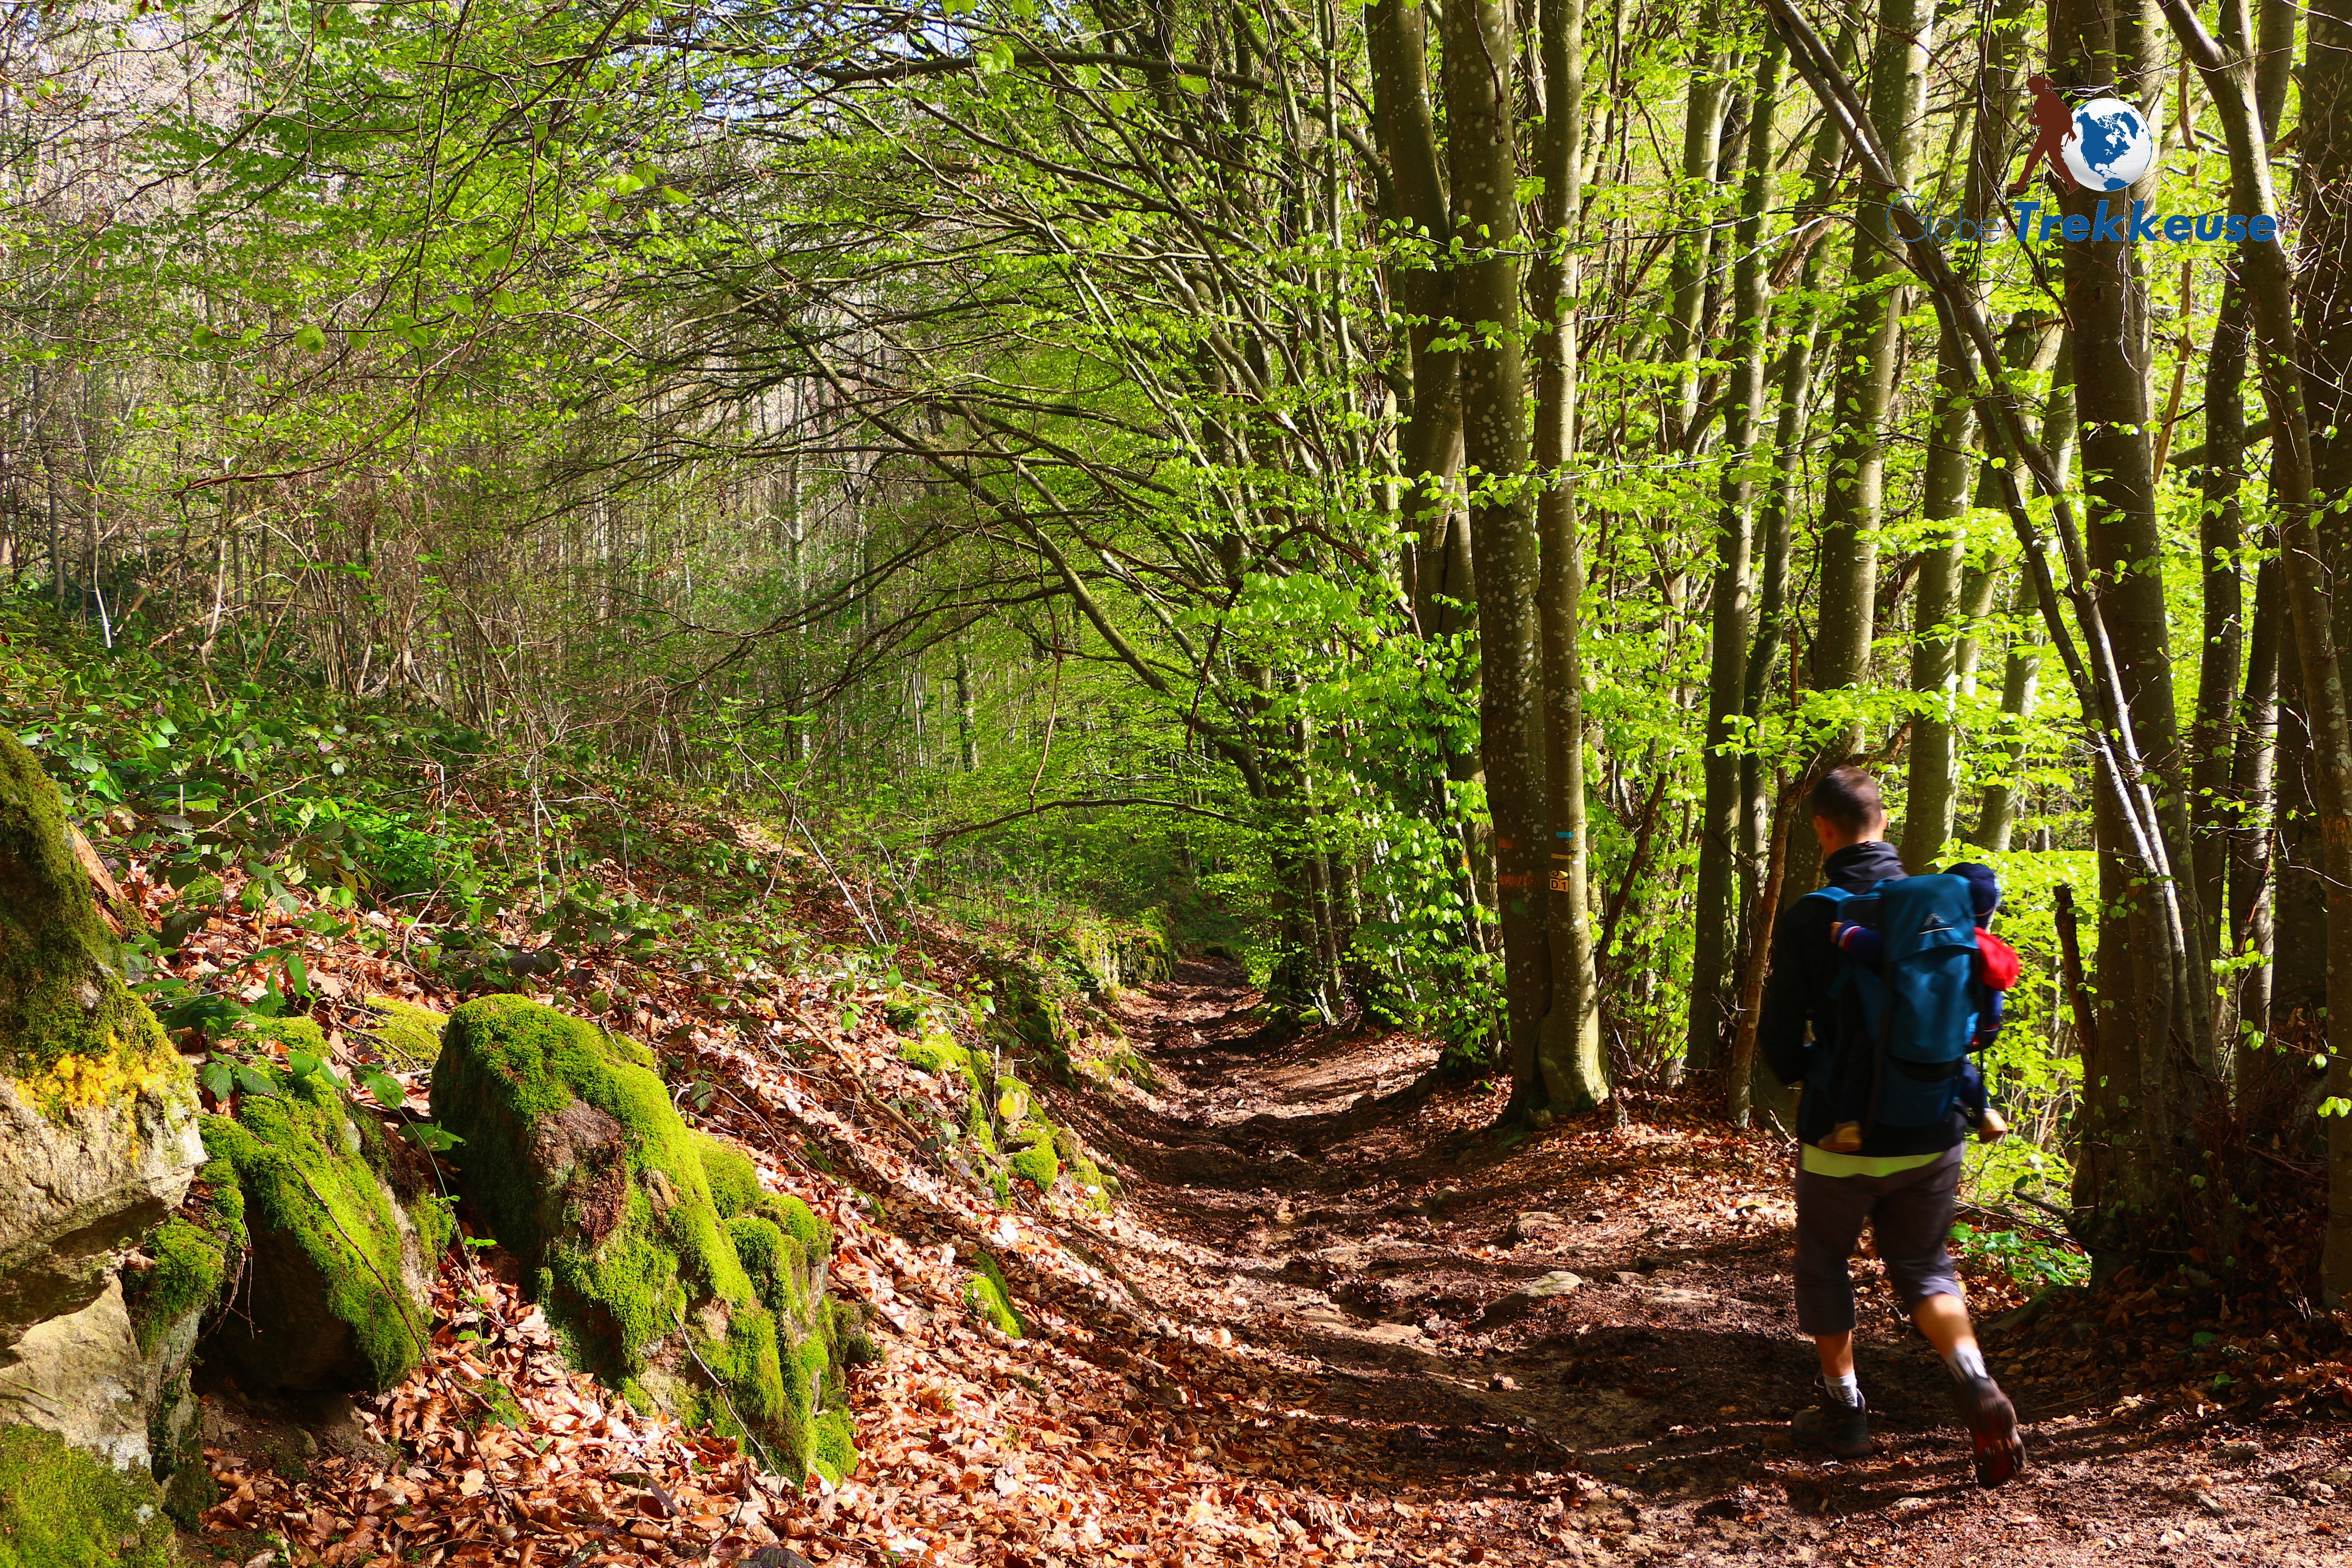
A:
{"x":2111,"y":146}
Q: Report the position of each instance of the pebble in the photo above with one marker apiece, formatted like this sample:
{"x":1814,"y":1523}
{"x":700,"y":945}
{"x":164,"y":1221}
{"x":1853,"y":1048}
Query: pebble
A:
{"x":2237,"y":1453}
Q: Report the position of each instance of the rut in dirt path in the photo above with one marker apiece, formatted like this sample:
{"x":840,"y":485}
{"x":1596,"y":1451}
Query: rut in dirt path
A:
{"x":1590,"y":1333}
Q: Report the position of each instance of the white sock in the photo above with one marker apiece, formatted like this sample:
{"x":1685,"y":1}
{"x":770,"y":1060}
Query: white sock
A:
{"x":1967,"y":1361}
{"x":1844,"y":1389}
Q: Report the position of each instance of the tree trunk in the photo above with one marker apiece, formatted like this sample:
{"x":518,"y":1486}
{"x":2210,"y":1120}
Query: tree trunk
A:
{"x":1854,"y":503}
{"x":1719,"y":824}
{"x":1478,"y":74}
{"x":2270,"y":282}
{"x":2220,"y":539}
{"x":1686,"y":275}
{"x":1568,"y":1056}
{"x":2150,"y":1092}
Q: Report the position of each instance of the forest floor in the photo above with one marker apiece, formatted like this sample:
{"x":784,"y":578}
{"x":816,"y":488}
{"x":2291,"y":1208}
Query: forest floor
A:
{"x":1331,"y":1317}
{"x":1362,"y":1230}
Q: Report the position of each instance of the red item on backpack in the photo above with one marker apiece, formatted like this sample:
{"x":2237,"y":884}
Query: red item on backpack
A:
{"x":1996,"y":962}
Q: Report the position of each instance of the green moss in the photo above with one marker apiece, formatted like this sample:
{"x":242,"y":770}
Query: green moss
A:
{"x":833,"y":1453}
{"x":658,"y":1275}
{"x":71,"y":1030}
{"x":1038,"y":1163}
{"x":1093,"y":1186}
{"x":506,"y":1063}
{"x":988,"y":1295}
{"x":734,"y":1180}
{"x":770,"y":1257}
{"x":977,"y":1124}
{"x":937,"y":1055}
{"x":497,"y":1406}
{"x":301,"y":1161}
{"x":178,"y":1462}
{"x":189,"y":1268}
{"x":194,"y":1251}
{"x":405,"y":1033}
{"x":852,"y":1345}
{"x":61,"y":1507}
{"x":800,"y":1222}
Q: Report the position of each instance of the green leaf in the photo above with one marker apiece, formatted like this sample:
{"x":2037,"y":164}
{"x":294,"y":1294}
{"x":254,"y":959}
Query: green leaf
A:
{"x":309,"y":339}
{"x":219,"y":1078}
{"x":386,"y":1090}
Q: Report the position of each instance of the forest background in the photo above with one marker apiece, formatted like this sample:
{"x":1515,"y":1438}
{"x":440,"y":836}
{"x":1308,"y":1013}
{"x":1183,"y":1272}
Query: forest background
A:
{"x":1409,"y":493}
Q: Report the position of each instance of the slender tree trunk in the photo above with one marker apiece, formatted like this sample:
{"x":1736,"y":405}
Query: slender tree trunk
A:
{"x":1997,"y":815}
{"x":1568,"y":1055}
{"x":2252,"y":770}
{"x":1686,"y":283}
{"x":1854,"y":501}
{"x":1933,"y":784}
{"x":1478,"y":75}
{"x":2220,"y":540}
{"x":1719,"y":825}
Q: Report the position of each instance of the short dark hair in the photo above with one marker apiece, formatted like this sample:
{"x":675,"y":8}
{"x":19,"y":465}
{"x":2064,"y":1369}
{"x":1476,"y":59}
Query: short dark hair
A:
{"x":1849,"y":797}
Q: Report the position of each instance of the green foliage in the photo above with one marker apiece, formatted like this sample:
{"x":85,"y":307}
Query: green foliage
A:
{"x":61,"y":1507}
{"x":2029,"y":1258}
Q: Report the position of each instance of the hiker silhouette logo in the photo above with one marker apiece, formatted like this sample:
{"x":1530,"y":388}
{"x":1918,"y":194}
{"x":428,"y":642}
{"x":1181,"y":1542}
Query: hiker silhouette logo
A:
{"x":2104,"y":145}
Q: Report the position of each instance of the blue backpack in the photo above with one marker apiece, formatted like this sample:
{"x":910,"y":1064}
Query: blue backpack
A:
{"x":1917,"y":1014}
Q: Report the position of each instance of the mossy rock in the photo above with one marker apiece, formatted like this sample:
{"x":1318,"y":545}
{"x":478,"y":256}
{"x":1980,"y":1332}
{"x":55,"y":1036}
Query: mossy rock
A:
{"x":70,"y":1031}
{"x":663,"y":1267}
{"x":61,"y":1508}
{"x":991,"y":1299}
{"x":405,"y":1033}
{"x":1037,"y":1163}
{"x":339,"y":1289}
{"x":194,"y":1252}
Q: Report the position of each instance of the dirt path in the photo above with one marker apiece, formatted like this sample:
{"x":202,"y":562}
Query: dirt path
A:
{"x":1361,"y":1239}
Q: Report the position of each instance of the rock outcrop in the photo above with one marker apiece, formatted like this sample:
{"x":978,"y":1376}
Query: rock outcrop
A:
{"x":344,"y":1228}
{"x":98,"y":1144}
{"x":664,"y":1267}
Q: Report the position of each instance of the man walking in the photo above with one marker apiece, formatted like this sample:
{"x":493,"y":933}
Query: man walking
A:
{"x":1902,"y":1181}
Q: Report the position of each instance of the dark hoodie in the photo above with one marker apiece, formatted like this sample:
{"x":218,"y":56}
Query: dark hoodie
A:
{"x":1804,"y":963}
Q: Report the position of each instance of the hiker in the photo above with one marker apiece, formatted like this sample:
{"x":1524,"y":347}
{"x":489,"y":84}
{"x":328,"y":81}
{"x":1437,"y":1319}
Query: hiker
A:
{"x":1903,"y":1179}
{"x":2054,"y":126}
{"x":1855,"y":930}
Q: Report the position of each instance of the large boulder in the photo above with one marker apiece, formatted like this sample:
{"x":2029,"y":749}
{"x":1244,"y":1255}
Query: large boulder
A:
{"x":344,"y":1234}
{"x":664,"y":1267}
{"x":97,"y":1143}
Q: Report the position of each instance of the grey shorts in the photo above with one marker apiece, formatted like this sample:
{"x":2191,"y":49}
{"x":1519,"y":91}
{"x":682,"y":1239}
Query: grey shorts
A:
{"x":1910,"y":1218}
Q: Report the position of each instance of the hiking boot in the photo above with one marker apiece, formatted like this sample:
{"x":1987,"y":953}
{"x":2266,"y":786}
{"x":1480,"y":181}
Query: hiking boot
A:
{"x":1843,"y":1429}
{"x":1992,"y":1421}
